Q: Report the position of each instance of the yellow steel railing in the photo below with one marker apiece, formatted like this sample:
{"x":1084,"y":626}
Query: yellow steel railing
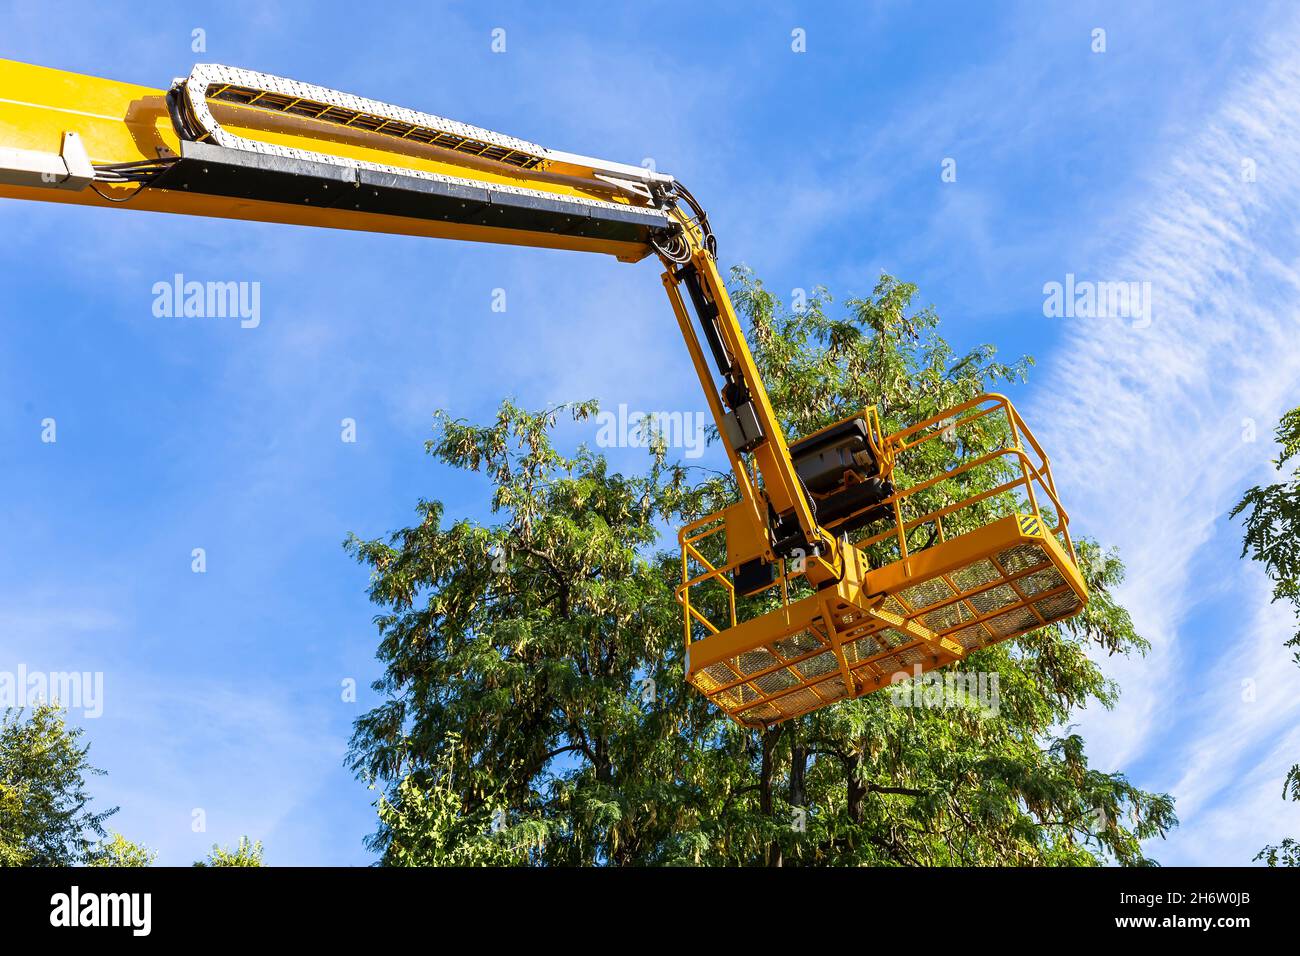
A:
{"x":1018,"y":479}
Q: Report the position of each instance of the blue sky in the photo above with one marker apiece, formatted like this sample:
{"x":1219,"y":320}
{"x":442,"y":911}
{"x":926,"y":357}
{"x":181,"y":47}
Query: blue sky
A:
{"x":222,"y":689}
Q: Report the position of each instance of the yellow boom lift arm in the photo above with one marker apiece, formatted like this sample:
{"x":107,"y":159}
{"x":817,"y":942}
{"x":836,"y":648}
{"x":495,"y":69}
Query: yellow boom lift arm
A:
{"x":808,"y":590}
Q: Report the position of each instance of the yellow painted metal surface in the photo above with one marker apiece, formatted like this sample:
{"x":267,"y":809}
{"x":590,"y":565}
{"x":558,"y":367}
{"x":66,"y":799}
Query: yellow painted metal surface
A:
{"x":924,"y":609}
{"x":124,"y":122}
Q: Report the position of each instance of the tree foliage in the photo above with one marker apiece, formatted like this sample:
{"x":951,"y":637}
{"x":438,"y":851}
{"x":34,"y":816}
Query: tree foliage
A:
{"x":119,"y":851}
{"x":535,"y":709}
{"x":245,"y":853}
{"x":1272,"y":537}
{"x":429,"y":826}
{"x":45,"y":815}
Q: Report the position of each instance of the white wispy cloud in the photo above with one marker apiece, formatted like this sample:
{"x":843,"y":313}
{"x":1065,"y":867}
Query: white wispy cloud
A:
{"x":1147,"y":428}
{"x":1252,"y":816}
{"x":1249,"y":704}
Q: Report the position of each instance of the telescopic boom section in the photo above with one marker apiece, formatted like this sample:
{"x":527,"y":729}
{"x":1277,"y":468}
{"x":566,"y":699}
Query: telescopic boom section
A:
{"x":236,"y":144}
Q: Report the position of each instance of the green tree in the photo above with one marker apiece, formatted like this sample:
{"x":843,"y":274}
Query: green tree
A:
{"x":12,"y":853}
{"x":533,"y":665}
{"x":1272,"y":537}
{"x":119,"y":851}
{"x":245,"y":853}
{"x":45,"y":818}
{"x":428,"y":828}
{"x":510,"y":647}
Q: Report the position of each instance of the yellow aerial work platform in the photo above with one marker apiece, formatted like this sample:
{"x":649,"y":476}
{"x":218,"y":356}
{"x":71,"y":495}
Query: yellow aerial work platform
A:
{"x":901,"y":607}
{"x":961,"y":540}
